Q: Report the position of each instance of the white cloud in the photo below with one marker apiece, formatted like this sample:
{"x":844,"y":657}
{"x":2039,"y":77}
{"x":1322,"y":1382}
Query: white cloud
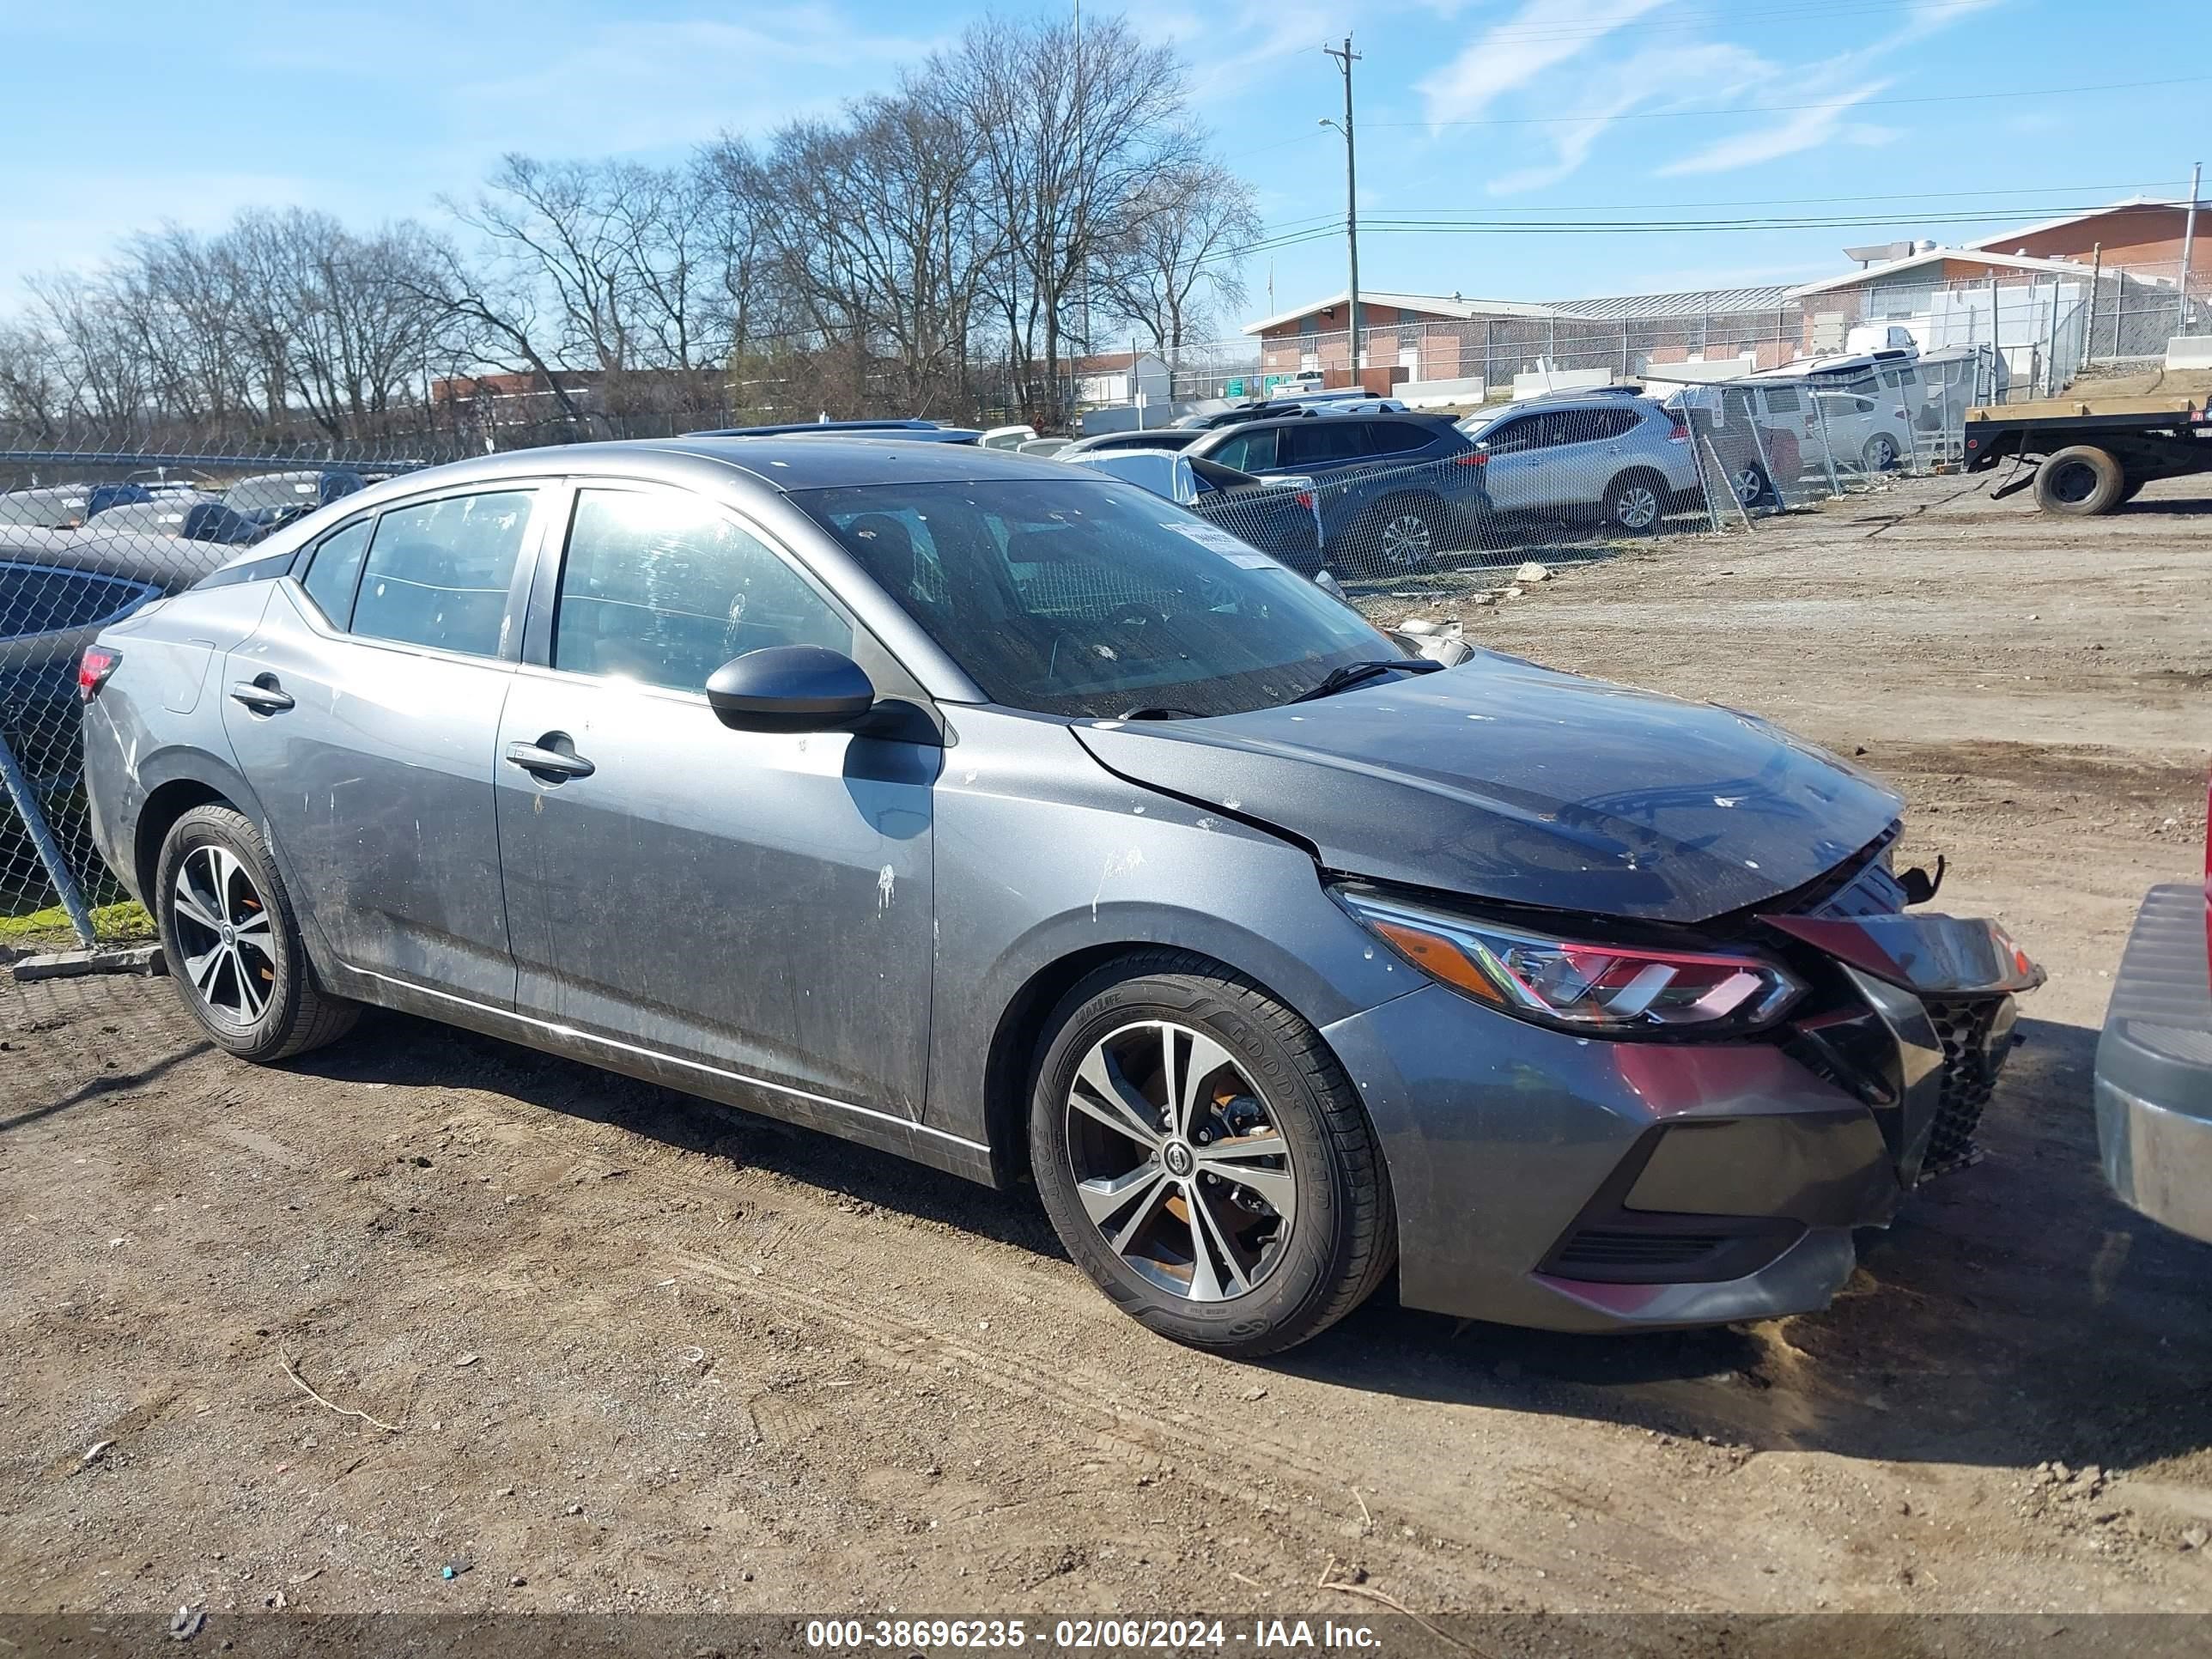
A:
{"x":1541,"y":35}
{"x":1803,"y":129}
{"x":1657,"y":79}
{"x":1830,"y":84}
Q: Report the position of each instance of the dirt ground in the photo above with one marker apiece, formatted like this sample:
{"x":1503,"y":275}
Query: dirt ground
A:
{"x":643,"y":1353}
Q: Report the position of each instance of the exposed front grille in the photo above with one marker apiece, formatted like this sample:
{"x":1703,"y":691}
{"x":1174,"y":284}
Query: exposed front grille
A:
{"x":1970,"y":1074}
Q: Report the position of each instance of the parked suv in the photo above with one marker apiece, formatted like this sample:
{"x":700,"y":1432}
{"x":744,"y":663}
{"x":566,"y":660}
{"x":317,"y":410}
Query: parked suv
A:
{"x":1394,"y":489}
{"x":1624,"y":460}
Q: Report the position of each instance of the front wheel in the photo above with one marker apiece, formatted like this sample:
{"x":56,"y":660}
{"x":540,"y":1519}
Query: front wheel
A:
{"x":1635,"y":503}
{"x":1205,"y":1160}
{"x":232,"y":944}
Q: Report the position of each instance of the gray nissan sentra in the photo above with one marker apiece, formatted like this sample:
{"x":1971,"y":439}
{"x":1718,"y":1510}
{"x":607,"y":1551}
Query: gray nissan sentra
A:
{"x":1009,"y":818}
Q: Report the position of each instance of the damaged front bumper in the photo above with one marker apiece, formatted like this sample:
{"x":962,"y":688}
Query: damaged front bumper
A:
{"x":1548,"y":1179}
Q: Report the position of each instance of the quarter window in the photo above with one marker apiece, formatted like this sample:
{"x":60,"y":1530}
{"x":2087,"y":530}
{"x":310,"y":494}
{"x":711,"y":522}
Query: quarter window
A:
{"x":334,"y":571}
{"x":664,"y":588}
{"x":438,"y":572}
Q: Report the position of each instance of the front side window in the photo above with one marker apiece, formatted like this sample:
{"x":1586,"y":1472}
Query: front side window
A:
{"x":663,"y":587}
{"x":1249,"y":452}
{"x":1082,"y":598}
{"x":438,"y":572}
{"x":334,"y":571}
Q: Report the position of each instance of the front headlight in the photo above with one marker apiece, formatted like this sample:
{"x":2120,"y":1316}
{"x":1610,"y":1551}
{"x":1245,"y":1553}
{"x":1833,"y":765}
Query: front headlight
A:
{"x":1602,"y":990}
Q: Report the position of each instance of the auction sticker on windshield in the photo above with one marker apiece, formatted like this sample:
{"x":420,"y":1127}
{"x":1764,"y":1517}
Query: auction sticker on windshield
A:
{"x":1220,"y":541}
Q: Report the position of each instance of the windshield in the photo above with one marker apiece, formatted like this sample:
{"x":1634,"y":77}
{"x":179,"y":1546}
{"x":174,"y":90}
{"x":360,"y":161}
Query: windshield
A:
{"x":1092,"y":598}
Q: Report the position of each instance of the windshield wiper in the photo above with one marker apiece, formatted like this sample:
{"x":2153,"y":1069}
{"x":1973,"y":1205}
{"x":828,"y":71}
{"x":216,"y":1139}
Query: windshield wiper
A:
{"x":1159,"y":711}
{"x":1358,"y":673}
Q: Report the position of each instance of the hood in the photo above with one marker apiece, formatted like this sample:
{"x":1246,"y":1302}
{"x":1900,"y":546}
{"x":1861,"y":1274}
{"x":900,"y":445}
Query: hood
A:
{"x":1507,"y":782}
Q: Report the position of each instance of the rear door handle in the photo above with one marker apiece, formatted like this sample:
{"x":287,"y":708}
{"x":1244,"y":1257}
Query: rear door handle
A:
{"x":536,"y":757}
{"x":263,"y":696}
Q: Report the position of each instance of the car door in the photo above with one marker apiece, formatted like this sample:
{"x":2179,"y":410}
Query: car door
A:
{"x":1323,"y":444}
{"x":364,"y":712}
{"x":751,"y":906}
{"x":1515,"y":472}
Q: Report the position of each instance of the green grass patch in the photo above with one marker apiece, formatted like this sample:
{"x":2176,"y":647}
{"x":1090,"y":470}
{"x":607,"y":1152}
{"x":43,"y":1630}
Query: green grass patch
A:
{"x":113,"y":924}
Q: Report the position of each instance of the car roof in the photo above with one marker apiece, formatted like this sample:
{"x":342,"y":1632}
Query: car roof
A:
{"x":1421,"y":416}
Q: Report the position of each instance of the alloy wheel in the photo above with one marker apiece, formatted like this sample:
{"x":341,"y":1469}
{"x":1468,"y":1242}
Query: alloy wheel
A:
{"x":1407,"y":542}
{"x":223,"y":935}
{"x":1179,"y":1162}
{"x":1636,"y":508}
{"x":1749,"y":484}
{"x":1882,"y":454}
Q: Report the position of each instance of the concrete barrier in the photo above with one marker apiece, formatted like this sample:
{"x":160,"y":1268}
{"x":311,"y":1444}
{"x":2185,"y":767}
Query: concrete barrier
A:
{"x":2189,"y":351}
{"x":1547,"y":382}
{"x":1435,"y":394}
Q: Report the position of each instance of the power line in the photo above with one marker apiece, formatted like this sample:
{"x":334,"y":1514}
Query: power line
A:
{"x":1967,"y":211}
{"x":1783,"y":109}
{"x":1401,"y":225}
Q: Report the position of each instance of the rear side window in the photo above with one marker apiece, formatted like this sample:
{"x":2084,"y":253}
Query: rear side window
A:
{"x":1325,"y":442}
{"x":662,"y":587}
{"x":37,"y":600}
{"x":1249,"y":452}
{"x":1619,"y":422}
{"x":334,"y":571}
{"x":438,"y":572}
{"x":1399,"y":437}
{"x":1781,"y":400}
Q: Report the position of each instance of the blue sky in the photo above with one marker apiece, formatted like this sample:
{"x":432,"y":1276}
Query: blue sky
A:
{"x":123,"y":113}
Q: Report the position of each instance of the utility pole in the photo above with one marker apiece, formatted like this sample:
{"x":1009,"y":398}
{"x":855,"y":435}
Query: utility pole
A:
{"x":1346,"y":59}
{"x":2189,"y":240}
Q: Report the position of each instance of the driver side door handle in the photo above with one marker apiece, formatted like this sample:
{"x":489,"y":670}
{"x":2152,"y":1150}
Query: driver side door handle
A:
{"x":537,"y":758}
{"x":263,"y":696}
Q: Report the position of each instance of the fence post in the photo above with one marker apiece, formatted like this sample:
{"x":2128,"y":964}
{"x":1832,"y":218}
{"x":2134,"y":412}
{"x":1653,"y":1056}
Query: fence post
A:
{"x":49,"y":854}
{"x":1827,"y":449}
{"x":2096,"y":279}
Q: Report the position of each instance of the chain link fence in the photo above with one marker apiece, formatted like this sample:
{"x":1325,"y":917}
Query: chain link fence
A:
{"x":95,"y":526}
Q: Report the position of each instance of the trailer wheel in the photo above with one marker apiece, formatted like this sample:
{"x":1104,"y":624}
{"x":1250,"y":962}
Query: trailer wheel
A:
{"x":2081,"y":481}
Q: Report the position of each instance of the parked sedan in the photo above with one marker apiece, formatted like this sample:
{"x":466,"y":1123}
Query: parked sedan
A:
{"x":994,"y":816}
{"x":1395,"y":490}
{"x":1625,"y":462}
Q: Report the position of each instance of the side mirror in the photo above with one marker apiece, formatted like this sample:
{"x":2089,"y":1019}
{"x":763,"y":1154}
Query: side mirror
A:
{"x":790,"y":687}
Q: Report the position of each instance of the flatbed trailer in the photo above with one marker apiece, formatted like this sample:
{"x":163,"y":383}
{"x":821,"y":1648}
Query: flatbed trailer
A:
{"x":2090,"y":454}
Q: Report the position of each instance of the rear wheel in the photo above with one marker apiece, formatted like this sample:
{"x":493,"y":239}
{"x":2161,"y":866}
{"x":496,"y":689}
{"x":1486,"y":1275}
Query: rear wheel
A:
{"x":1750,"y":485}
{"x":232,"y":944}
{"x":2080,"y":482}
{"x":1880,"y":453}
{"x":1401,"y":534}
{"x":1205,"y":1160}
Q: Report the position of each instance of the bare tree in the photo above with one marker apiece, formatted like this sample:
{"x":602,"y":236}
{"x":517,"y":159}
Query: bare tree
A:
{"x":1177,"y":258}
{"x":1074,"y":123}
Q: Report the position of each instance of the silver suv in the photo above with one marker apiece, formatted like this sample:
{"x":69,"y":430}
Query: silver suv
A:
{"x":1624,"y":460}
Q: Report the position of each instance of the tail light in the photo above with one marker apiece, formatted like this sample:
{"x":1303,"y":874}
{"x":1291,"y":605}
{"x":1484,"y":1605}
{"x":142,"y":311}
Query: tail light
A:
{"x":1303,"y":498}
{"x":93,"y":670}
{"x":1472,"y":457}
{"x":1679,"y":434}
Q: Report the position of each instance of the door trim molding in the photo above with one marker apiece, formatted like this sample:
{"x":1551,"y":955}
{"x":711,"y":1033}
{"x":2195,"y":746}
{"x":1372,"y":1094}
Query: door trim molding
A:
{"x":574,"y":1034}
